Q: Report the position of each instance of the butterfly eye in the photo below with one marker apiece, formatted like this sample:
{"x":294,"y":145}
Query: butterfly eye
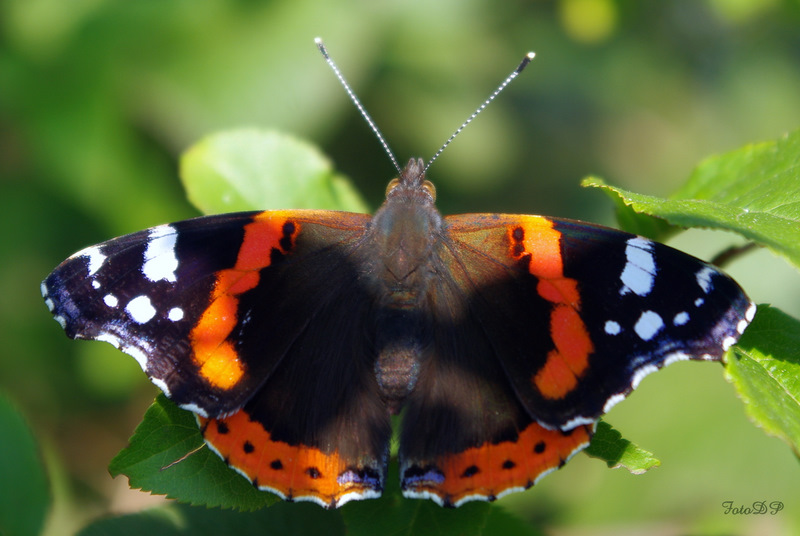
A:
{"x":392,"y":185}
{"x":430,"y":188}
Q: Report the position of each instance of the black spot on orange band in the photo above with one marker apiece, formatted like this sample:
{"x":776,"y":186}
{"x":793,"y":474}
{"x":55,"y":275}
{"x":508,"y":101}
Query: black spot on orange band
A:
{"x":313,"y":472}
{"x":472,"y":470}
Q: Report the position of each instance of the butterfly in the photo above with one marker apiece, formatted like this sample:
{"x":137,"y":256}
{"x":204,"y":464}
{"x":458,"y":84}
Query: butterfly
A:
{"x":295,"y":335}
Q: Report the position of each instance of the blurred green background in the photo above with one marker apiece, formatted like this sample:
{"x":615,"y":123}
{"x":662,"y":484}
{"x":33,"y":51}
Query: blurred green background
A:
{"x":98,"y":98}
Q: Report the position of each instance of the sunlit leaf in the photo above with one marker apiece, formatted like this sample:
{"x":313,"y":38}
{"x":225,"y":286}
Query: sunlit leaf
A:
{"x":754,"y":191}
{"x":251,"y":169}
{"x":765,"y":369}
{"x":166,"y":456}
{"x":608,"y":445}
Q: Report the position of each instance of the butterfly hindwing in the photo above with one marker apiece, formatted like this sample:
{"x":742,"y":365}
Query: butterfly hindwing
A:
{"x":465,"y":434}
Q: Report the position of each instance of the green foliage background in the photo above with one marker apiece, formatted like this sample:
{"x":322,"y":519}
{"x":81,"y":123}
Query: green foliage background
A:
{"x":98,"y":98}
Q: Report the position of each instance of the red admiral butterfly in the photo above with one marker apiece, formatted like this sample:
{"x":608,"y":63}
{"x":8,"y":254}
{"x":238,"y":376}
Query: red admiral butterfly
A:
{"x":294,"y":335}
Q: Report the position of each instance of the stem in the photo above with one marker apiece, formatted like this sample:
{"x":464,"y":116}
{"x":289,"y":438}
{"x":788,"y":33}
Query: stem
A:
{"x":728,"y":255}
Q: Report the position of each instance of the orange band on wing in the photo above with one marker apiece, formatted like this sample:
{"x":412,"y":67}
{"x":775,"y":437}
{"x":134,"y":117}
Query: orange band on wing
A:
{"x":215,"y":356}
{"x":292,"y":471}
{"x":537,"y":238}
{"x":555,"y":379}
{"x":488,"y":471}
{"x":569,"y":360}
{"x":543,"y":243}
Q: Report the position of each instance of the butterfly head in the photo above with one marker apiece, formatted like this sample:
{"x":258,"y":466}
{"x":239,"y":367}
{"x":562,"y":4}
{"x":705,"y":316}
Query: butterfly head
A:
{"x":412,"y":184}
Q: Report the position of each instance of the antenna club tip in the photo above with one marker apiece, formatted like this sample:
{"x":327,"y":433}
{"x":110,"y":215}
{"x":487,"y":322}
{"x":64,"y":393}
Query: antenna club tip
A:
{"x":321,"y":47}
{"x":524,"y":63}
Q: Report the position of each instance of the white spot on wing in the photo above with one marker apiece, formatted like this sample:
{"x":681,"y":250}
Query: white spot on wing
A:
{"x":741,"y":326}
{"x":613,"y":401}
{"x":677,"y":356}
{"x":572,"y":423}
{"x":640,"y":269}
{"x":727,"y":342}
{"x":95,"y":284}
{"x":109,"y":338}
{"x":194,"y":408}
{"x":412,"y":494}
{"x":357,"y":496}
{"x":175,"y":314}
{"x":612,"y":328}
{"x":698,"y":302}
{"x":110,"y":300}
{"x":95,"y":256}
{"x":140,"y":309}
{"x":639,"y":375}
{"x":681,"y":318}
{"x":161,"y":384}
{"x":703,"y":277}
{"x":137,"y":354}
{"x":750,"y":313}
{"x":648,"y":325}
{"x":47,"y":301}
{"x":160,"y":261}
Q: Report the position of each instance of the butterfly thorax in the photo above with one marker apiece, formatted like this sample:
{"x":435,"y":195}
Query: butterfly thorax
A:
{"x":403,"y":235}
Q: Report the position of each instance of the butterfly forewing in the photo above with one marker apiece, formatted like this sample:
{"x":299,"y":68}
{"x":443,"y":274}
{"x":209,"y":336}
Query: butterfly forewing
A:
{"x":170,"y":296}
{"x":591,"y":310}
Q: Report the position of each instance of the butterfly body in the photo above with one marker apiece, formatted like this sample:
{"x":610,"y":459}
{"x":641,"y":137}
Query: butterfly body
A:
{"x":294,"y":336}
{"x":399,"y":250}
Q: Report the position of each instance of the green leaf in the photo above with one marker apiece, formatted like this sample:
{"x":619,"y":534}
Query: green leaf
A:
{"x":754,"y":191}
{"x":167,"y":456}
{"x":251,"y":169}
{"x":181,"y":519}
{"x":609,"y":446}
{"x":765,"y":369}
{"x":629,"y":219}
{"x":24,"y":490}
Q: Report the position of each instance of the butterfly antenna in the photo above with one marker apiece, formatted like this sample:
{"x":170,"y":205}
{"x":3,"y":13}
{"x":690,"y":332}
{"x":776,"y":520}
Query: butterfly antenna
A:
{"x":364,"y":114}
{"x":524,"y":63}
